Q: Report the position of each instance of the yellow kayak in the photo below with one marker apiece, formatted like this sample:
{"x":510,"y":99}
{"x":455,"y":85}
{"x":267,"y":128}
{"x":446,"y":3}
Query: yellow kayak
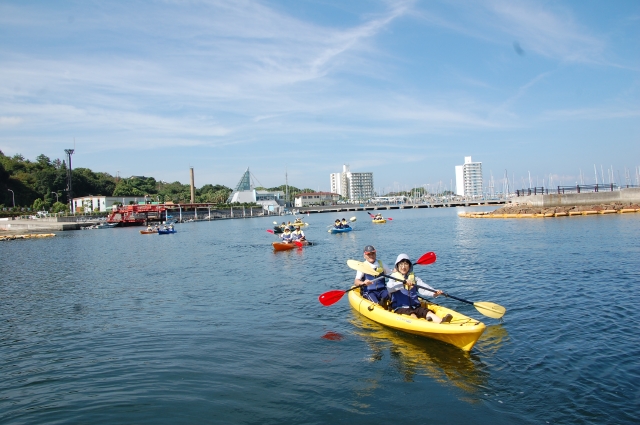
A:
{"x":463,"y":331}
{"x":379,"y":221}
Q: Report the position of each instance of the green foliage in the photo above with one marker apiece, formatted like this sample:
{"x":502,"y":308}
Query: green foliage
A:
{"x":34,"y":184}
{"x":58,"y":207}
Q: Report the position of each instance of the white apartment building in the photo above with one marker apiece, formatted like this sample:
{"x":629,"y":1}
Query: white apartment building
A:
{"x":354,"y":186}
{"x":469,"y":178}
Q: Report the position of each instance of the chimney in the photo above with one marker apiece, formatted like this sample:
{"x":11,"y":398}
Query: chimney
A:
{"x":193,"y":188}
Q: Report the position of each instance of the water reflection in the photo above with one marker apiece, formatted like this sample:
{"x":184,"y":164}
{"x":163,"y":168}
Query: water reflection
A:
{"x":494,"y":337}
{"x":411,"y":355}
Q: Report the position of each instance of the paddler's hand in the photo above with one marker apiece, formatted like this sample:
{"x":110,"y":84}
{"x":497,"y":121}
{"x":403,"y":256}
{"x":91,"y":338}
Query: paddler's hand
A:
{"x":437,"y":292}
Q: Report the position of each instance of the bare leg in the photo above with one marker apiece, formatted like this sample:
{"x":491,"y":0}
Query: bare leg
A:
{"x":433,"y":317}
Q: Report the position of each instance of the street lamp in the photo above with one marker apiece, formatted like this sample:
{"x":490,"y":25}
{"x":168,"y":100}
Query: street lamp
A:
{"x":13,"y":195}
{"x":56,"y":193}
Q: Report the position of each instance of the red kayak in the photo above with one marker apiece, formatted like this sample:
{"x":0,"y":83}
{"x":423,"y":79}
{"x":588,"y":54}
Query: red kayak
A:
{"x":283,"y":246}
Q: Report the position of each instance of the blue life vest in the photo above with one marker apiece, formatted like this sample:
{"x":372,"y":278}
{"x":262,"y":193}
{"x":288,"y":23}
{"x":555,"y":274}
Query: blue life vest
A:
{"x":286,"y":237}
{"x":295,"y":236}
{"x":378,"y":284}
{"x":405,"y":297}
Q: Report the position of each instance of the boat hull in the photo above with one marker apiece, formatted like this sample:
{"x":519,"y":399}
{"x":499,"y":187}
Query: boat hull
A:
{"x":165,"y":232}
{"x":463,"y":331}
{"x":148,"y":232}
{"x":379,"y":221}
{"x":282,"y":246}
{"x":334,"y":230}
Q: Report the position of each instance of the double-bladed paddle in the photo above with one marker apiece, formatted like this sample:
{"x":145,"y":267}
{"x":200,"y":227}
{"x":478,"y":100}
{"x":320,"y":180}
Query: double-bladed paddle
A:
{"x":486,"y":308}
{"x":334,"y":296}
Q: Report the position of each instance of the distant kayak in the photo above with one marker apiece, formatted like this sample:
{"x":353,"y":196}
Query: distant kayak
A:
{"x":166,"y":232}
{"x":335,"y":230}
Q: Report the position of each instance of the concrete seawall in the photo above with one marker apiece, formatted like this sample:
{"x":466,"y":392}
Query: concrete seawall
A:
{"x":628,"y":195}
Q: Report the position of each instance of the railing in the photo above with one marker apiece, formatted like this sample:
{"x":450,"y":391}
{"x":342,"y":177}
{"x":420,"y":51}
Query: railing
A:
{"x":580,"y":188}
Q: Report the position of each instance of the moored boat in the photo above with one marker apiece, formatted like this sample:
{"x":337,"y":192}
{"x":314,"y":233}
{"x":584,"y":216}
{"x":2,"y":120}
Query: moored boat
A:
{"x":463,"y":331}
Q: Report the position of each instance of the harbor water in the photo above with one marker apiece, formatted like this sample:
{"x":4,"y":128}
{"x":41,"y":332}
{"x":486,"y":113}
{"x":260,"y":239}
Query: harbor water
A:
{"x":210,"y":326}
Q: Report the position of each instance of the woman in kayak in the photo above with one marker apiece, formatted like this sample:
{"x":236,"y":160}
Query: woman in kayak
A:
{"x":404,"y":294}
{"x":344,"y":224}
{"x":378,"y":217}
{"x":286,"y":236}
{"x":337,"y":224}
{"x":298,"y":235}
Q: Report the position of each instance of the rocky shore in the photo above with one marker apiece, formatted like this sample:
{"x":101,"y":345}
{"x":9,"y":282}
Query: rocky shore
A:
{"x":525,"y":211}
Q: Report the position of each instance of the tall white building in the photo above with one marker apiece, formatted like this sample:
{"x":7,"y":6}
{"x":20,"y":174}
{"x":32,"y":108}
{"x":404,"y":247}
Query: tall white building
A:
{"x":469,"y":178}
{"x":354,"y":186}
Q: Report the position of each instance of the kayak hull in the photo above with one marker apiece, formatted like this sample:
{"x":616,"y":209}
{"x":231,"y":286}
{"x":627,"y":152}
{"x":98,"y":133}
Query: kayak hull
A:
{"x":148,"y":232}
{"x":379,"y":221}
{"x":166,"y":232}
{"x":282,"y":246}
{"x":463,"y":331}
{"x":334,"y":230}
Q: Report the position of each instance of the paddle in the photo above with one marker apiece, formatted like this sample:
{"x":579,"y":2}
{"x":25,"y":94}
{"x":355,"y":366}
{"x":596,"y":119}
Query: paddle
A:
{"x":334,"y":296}
{"x":271,"y":231}
{"x":486,"y":308}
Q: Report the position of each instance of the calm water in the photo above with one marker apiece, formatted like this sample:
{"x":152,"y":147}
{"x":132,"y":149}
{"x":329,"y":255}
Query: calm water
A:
{"x":211,"y":326}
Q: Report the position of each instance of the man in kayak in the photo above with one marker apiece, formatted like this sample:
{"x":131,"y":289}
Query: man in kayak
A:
{"x":404,"y":294}
{"x":372,"y":288}
{"x":283,"y":225}
{"x":286,"y":236}
{"x":344,"y":224}
{"x":337,"y":224}
{"x":378,"y":217}
{"x":298,"y":235}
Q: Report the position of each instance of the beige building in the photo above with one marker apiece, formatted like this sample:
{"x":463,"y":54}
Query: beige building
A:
{"x":316,"y":198}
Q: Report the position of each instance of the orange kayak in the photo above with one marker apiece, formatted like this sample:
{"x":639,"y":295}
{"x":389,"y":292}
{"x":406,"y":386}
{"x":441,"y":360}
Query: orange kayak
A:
{"x":282,"y":246}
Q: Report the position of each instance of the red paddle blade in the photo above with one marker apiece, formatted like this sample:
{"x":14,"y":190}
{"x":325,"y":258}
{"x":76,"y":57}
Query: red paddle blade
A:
{"x":298,"y":244}
{"x":428,"y":258}
{"x":270,"y":231}
{"x":331,"y":297}
{"x":389,"y":218}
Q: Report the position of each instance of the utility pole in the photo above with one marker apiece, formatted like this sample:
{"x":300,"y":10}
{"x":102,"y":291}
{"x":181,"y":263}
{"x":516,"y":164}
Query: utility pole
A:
{"x":69,"y":184}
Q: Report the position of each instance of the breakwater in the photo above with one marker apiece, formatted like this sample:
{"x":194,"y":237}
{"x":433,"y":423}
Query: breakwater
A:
{"x":527,"y":211}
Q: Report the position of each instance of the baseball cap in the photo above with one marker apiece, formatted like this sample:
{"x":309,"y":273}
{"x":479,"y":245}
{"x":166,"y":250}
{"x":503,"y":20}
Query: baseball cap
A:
{"x":368,"y":249}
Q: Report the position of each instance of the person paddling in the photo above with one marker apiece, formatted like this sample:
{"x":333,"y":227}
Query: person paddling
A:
{"x":337,"y":224}
{"x":298,"y":235}
{"x":286,"y":236}
{"x":372,"y":288}
{"x":404,"y":295}
{"x":344,"y":224}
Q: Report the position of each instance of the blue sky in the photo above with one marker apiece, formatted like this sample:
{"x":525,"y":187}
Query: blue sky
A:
{"x":404,"y":89}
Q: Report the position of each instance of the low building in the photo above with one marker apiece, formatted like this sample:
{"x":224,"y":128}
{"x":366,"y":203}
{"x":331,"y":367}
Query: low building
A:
{"x":316,"y":198}
{"x":100,"y":203}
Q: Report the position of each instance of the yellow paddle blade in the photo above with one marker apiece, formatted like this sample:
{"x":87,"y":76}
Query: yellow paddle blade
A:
{"x":352,"y":219}
{"x":361,"y":267}
{"x":495,"y":311}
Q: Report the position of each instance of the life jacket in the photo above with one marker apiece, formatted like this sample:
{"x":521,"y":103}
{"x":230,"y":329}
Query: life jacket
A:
{"x":344,"y":224}
{"x":297,"y":234}
{"x":337,"y":226}
{"x":286,"y":236}
{"x":379,"y":284}
{"x":405,"y":297}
